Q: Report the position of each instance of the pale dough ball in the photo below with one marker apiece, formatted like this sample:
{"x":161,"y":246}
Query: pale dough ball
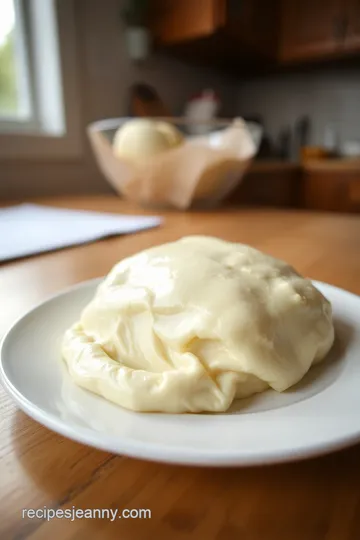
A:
{"x":142,"y":138}
{"x":191,"y":325}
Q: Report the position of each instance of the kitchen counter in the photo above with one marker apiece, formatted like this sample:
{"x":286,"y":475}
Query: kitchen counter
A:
{"x":306,"y":500}
{"x":319,"y":184}
{"x":271,"y":165}
{"x":338,"y":164}
{"x":331,"y":165}
{"x":273,"y":183}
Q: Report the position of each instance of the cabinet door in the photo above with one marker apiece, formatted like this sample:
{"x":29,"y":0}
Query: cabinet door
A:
{"x":311,"y":29}
{"x":175,"y":21}
{"x":254,"y":23}
{"x":352,"y":40}
{"x":354,"y":194}
{"x":333,"y":190}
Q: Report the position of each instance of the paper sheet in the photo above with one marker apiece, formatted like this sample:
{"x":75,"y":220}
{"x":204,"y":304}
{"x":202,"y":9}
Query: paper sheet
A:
{"x":28,"y":229}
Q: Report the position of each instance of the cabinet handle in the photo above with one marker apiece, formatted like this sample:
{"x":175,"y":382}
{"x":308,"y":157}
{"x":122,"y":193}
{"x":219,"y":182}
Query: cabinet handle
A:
{"x":340,"y":26}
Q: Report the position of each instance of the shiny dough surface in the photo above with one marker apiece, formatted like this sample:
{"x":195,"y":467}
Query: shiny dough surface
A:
{"x":191,"y":325}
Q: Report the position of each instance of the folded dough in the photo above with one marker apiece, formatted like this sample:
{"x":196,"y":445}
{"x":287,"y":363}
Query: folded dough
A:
{"x":191,"y":325}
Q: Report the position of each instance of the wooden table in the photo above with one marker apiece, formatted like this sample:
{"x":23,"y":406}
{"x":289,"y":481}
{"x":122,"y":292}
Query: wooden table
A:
{"x":311,"y":500}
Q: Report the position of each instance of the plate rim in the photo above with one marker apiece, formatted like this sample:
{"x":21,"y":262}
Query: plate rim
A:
{"x":119,"y":445}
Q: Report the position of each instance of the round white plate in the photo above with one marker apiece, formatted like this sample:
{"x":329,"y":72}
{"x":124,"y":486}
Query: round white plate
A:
{"x":320,"y":414}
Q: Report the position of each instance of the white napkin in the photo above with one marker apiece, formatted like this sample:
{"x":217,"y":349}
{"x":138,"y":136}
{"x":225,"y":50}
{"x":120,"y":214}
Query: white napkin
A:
{"x":28,"y":229}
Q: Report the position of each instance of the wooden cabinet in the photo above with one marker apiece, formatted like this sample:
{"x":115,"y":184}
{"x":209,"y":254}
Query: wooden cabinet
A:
{"x":352,"y":38}
{"x":353,"y":192}
{"x":175,"y":21}
{"x":310,"y":29}
{"x":329,"y":186}
{"x":273,"y":184}
{"x":333,"y":188}
{"x":255,"y":33}
{"x":318,"y":29}
{"x":319,"y":185}
{"x":253,"y":22}
{"x":218,"y":30}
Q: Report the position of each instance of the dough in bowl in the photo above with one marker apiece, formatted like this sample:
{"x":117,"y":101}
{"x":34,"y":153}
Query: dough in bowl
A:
{"x":191,"y":325}
{"x":142,"y":138}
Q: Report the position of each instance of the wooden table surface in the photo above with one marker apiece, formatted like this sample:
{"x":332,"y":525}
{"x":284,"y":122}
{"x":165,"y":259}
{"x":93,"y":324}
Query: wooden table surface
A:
{"x":311,"y":500}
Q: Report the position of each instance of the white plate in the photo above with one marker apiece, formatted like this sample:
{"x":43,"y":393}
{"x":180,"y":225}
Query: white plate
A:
{"x":319,"y":415}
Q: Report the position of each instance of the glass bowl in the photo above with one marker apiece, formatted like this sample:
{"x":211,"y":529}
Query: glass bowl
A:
{"x":201,"y":172}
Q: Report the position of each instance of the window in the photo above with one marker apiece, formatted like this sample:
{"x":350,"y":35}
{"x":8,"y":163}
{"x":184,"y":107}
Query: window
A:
{"x":14,"y":77}
{"x":38,"y":79}
{"x":30,"y":88}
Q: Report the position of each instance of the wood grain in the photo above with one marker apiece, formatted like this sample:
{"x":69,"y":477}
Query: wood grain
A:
{"x":352,"y":39}
{"x":313,"y":500}
{"x":270,"y":184}
{"x":332,"y":165}
{"x":174,"y":21}
{"x":331,"y":190}
{"x":309,"y":30}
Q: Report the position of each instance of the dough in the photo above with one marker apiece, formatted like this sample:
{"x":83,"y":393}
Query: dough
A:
{"x":142,"y":138}
{"x":191,"y":325}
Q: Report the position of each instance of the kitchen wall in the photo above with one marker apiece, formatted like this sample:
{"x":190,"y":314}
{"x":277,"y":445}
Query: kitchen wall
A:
{"x":327,"y":97}
{"x":104,"y":77}
{"x":109,"y":73}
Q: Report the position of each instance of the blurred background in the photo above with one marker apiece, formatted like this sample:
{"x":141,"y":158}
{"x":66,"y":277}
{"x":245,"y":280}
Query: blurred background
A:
{"x":291,"y":66}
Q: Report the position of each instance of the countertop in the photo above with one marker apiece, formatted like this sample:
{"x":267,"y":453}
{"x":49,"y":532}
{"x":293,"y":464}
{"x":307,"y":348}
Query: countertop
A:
{"x":323,"y":165}
{"x":332,"y":165}
{"x":317,"y":499}
{"x":273,"y":165}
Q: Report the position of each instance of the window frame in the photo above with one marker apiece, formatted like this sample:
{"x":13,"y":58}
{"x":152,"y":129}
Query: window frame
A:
{"x":22,"y":138}
{"x":25,"y":119}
